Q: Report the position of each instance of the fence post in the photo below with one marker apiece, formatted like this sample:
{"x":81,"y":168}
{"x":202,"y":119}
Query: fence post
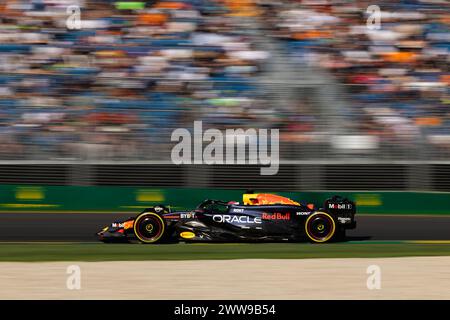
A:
{"x":419,"y":178}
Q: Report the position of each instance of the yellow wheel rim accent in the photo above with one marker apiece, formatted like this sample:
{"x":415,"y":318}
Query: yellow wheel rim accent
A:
{"x":333,"y":227}
{"x":140,"y":217}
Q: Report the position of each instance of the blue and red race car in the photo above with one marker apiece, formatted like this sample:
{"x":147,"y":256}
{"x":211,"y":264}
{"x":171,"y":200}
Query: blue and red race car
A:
{"x":260,"y":217}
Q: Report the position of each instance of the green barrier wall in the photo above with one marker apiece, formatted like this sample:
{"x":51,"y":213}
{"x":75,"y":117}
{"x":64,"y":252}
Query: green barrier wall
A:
{"x":20,"y":198}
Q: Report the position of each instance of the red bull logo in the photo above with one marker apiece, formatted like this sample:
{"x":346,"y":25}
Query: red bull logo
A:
{"x":276,"y":216}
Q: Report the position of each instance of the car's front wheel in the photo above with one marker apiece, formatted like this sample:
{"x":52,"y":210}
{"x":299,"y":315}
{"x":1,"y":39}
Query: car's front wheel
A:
{"x":149,"y":227}
{"x":320,"y":227}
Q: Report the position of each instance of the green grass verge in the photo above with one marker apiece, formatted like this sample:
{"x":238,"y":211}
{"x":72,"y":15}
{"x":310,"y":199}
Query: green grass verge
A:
{"x":135,"y":252}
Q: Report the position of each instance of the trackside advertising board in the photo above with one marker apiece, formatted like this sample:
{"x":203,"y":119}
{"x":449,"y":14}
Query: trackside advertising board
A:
{"x":39,"y":198}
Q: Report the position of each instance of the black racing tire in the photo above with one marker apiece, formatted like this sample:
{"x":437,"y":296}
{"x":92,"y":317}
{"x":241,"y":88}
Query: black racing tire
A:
{"x":149,"y":227}
{"x":320,"y":227}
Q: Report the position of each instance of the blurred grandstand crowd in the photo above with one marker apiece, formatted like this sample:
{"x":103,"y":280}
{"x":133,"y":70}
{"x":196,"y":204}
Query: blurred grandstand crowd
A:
{"x":397,"y":75}
{"x":134,"y":71}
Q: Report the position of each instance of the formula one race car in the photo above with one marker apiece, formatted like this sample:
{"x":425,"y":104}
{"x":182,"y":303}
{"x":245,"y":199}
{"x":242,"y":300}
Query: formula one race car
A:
{"x":261,"y":217}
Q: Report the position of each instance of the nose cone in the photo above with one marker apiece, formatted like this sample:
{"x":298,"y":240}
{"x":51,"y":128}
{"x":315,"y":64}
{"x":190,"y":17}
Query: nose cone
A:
{"x":109,"y":234}
{"x":101,"y":234}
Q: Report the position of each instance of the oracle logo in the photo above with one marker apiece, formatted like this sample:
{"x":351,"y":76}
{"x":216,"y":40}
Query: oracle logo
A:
{"x":235,"y":219}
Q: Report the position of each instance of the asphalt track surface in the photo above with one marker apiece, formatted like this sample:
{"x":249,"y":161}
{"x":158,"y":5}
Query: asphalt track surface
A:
{"x":82,"y":227}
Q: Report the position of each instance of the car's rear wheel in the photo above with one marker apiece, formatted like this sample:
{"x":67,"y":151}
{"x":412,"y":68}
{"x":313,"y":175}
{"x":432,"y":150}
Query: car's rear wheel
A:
{"x":149,"y":227}
{"x":320,"y":227}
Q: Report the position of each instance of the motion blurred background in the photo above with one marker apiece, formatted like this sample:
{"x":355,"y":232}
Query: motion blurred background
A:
{"x":357,"y":108}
